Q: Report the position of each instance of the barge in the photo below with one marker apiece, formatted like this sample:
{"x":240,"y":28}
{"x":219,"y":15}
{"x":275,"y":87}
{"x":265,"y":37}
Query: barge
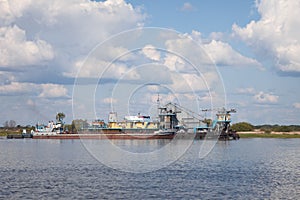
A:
{"x":132,"y":127}
{"x":172,"y":119}
{"x":104,"y":136}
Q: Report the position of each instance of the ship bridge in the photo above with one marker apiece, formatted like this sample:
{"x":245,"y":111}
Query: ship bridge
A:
{"x":186,"y":118}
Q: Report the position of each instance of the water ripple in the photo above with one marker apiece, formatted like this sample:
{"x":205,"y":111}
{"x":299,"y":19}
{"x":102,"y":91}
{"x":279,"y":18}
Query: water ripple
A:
{"x":245,"y":169}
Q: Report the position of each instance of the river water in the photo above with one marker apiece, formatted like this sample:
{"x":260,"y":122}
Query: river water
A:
{"x":64,"y":169}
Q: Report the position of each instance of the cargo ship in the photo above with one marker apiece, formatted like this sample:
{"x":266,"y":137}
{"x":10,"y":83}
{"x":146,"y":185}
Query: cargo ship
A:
{"x":172,"y":119}
{"x":132,"y":127}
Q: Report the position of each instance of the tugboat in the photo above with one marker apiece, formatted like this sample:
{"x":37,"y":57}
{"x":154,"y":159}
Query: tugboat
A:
{"x":50,"y":129}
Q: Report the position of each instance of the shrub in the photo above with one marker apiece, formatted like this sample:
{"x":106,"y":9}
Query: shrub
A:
{"x":282,"y":129}
{"x":242,"y":126}
{"x":267,"y":131}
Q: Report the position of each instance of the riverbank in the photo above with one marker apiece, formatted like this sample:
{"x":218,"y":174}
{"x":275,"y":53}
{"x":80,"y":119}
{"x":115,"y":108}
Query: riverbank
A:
{"x":248,"y":134}
{"x":5,"y":133}
{"x":262,"y":134}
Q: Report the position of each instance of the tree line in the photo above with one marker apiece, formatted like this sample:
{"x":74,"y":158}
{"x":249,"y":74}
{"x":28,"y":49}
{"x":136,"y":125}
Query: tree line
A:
{"x":9,"y":124}
{"x":267,"y":128}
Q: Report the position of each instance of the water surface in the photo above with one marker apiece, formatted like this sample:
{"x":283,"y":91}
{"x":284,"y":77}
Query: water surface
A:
{"x":245,"y":169}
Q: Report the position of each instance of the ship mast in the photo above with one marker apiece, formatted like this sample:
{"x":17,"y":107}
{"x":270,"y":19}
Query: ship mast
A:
{"x":158,"y":106}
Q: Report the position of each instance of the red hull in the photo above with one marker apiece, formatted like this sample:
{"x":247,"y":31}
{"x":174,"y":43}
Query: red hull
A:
{"x":105,"y":136}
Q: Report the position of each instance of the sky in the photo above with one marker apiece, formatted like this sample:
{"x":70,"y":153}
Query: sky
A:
{"x":87,"y":58}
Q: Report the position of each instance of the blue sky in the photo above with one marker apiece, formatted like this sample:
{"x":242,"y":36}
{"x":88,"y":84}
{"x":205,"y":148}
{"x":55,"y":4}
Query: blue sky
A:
{"x":205,"y":16}
{"x":47,"y":46}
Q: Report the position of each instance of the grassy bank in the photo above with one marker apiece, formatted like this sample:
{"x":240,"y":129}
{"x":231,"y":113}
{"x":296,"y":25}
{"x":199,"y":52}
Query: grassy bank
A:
{"x":268,"y":135}
{"x":10,"y":131}
{"x":2,"y":133}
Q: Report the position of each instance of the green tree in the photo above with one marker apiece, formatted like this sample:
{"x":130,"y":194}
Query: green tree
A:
{"x":67,"y":127}
{"x":60,"y":116}
{"x":5,"y":124}
{"x":10,"y":124}
{"x":78,"y":124}
{"x":242,"y":126}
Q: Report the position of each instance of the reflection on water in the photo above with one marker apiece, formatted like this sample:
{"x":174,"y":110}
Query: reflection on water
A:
{"x":140,"y":146}
{"x":244,"y":169}
{"x":137,"y":156}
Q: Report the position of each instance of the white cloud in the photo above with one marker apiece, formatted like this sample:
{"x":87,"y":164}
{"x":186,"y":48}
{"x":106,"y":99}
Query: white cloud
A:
{"x":296,"y":105}
{"x":103,"y":67}
{"x":33,"y":32}
{"x":248,"y":90}
{"x":275,"y":36}
{"x":120,"y":72}
{"x":175,"y":63}
{"x":223,"y":54}
{"x":32,"y":89}
{"x":153,"y":88}
{"x":188,"y":7}
{"x":189,"y":49}
{"x":53,"y":91}
{"x":210,"y":53}
{"x":187,"y":83}
{"x":12,"y":9}
{"x":196,"y":35}
{"x":16,"y":50}
{"x":16,"y":88}
{"x":265,"y":98}
{"x":151,"y":52}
